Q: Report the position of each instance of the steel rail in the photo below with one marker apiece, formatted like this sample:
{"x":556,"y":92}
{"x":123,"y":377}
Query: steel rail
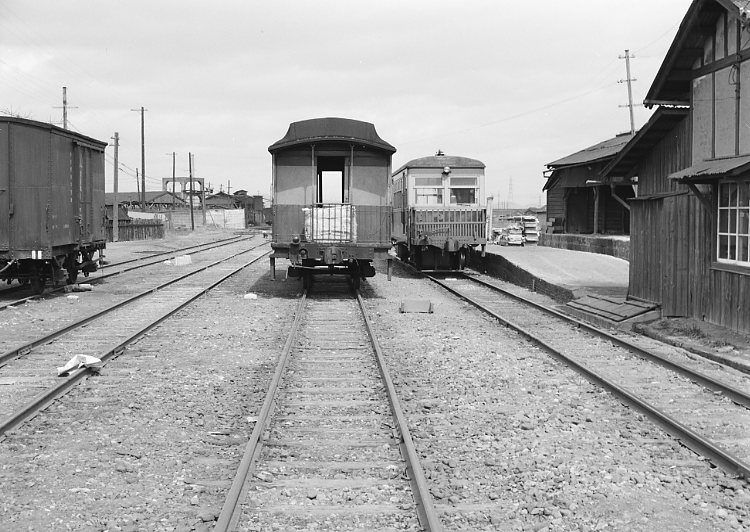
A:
{"x":428,"y":517}
{"x":211,"y":245}
{"x":198,"y":248}
{"x":21,"y":350}
{"x":735,"y":394}
{"x":228,"y":516}
{"x":720,"y":457}
{"x":46,"y":397}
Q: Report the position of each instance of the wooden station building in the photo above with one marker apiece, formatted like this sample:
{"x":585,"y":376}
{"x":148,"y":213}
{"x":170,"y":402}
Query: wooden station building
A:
{"x":690,"y":231}
{"x":580,"y":200}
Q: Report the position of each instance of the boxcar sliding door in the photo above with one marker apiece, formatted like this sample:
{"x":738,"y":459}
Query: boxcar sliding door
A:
{"x":4,"y":190}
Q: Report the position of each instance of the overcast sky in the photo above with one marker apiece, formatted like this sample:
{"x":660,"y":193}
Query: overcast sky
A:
{"x":515,"y":84}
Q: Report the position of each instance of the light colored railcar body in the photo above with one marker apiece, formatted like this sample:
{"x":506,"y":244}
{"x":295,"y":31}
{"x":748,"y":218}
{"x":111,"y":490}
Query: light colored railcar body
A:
{"x":52,"y":214}
{"x":439,"y":211}
{"x":331,"y":209}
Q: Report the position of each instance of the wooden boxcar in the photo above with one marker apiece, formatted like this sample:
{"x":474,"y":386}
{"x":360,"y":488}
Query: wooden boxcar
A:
{"x":438,"y":212}
{"x":52,"y":214}
{"x":331,"y":208}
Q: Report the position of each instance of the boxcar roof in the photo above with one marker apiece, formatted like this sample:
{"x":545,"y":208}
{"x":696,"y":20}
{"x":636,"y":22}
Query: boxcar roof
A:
{"x":331,"y":129}
{"x":441,"y":161}
{"x":51,"y":127}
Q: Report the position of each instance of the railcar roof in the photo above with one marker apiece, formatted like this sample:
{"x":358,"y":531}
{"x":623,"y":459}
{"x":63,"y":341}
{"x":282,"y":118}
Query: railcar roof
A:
{"x":331,"y":129}
{"x":51,"y":127}
{"x":441,"y":161}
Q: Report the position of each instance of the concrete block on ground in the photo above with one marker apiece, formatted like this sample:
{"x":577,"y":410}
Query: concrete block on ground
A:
{"x":416,"y":305}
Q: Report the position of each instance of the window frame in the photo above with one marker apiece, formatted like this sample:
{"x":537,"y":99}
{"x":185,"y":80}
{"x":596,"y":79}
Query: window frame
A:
{"x":732,"y":224}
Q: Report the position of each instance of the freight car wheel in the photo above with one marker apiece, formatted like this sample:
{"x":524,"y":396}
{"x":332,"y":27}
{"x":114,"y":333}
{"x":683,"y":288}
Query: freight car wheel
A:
{"x":355,"y":275}
{"x":462,"y":259}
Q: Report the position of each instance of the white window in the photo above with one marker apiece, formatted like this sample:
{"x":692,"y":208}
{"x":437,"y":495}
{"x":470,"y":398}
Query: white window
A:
{"x":429,"y":196}
{"x":733,"y":243}
{"x":428,"y":190}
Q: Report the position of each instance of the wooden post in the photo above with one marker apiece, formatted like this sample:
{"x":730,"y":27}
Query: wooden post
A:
{"x":596,"y":210}
{"x":116,"y":202}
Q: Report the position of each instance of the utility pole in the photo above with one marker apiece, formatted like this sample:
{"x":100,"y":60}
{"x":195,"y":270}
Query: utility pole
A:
{"x":143,"y":160}
{"x":510,"y":192}
{"x":137,"y":188}
{"x":116,"y":203}
{"x":192,"y":219}
{"x":65,"y":107}
{"x":629,"y":80}
{"x":173,"y":177}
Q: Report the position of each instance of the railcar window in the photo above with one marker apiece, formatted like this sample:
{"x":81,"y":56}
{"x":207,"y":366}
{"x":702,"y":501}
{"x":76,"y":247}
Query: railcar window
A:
{"x":428,"y":182}
{"x":429,"y":196}
{"x":332,"y":182}
{"x":463,"y":195}
{"x":733,"y":243}
{"x":463,"y":181}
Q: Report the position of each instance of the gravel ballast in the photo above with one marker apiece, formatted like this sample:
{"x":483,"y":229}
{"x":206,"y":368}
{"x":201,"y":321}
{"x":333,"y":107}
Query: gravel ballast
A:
{"x":510,"y":439}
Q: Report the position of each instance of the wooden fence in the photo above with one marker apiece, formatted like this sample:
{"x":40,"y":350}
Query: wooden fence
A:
{"x":137,"y":230}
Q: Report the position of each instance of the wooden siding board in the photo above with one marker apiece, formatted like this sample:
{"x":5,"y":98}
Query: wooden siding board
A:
{"x":703,"y":118}
{"x":725,"y":122}
{"x":671,"y":154}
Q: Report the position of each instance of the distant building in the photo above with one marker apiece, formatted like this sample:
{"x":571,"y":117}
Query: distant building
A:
{"x":155,"y":201}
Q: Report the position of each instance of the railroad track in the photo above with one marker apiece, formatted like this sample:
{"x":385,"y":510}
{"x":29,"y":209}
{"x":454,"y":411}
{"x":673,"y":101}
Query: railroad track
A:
{"x":708,"y":415}
{"x":330,"y":449}
{"x":115,"y":268}
{"x":28,"y":371}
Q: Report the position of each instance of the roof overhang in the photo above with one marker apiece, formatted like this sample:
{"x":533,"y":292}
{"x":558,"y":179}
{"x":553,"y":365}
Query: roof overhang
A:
{"x":331,"y":129}
{"x":660,"y":124}
{"x":673,"y":82}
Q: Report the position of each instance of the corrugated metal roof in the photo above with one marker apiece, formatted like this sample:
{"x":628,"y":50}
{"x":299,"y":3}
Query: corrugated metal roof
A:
{"x":441,"y":161}
{"x":597,"y":152}
{"x":331,"y":129}
{"x":707,"y":171}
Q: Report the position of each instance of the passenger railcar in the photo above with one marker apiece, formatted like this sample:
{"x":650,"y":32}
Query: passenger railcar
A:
{"x":52,"y":212}
{"x":438,"y":212}
{"x":331,"y":208}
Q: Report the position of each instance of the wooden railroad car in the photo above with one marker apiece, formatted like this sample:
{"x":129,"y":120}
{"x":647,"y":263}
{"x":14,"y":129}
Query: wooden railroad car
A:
{"x":438,"y":212}
{"x":52,"y":214}
{"x":331,"y":207}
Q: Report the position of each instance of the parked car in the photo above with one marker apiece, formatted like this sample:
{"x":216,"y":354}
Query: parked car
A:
{"x":512,"y":236}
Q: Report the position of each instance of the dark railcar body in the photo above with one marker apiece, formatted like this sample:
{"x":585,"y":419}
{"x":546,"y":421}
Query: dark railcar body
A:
{"x":438,"y":211}
{"x":331,"y":205}
{"x":52,"y":215}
